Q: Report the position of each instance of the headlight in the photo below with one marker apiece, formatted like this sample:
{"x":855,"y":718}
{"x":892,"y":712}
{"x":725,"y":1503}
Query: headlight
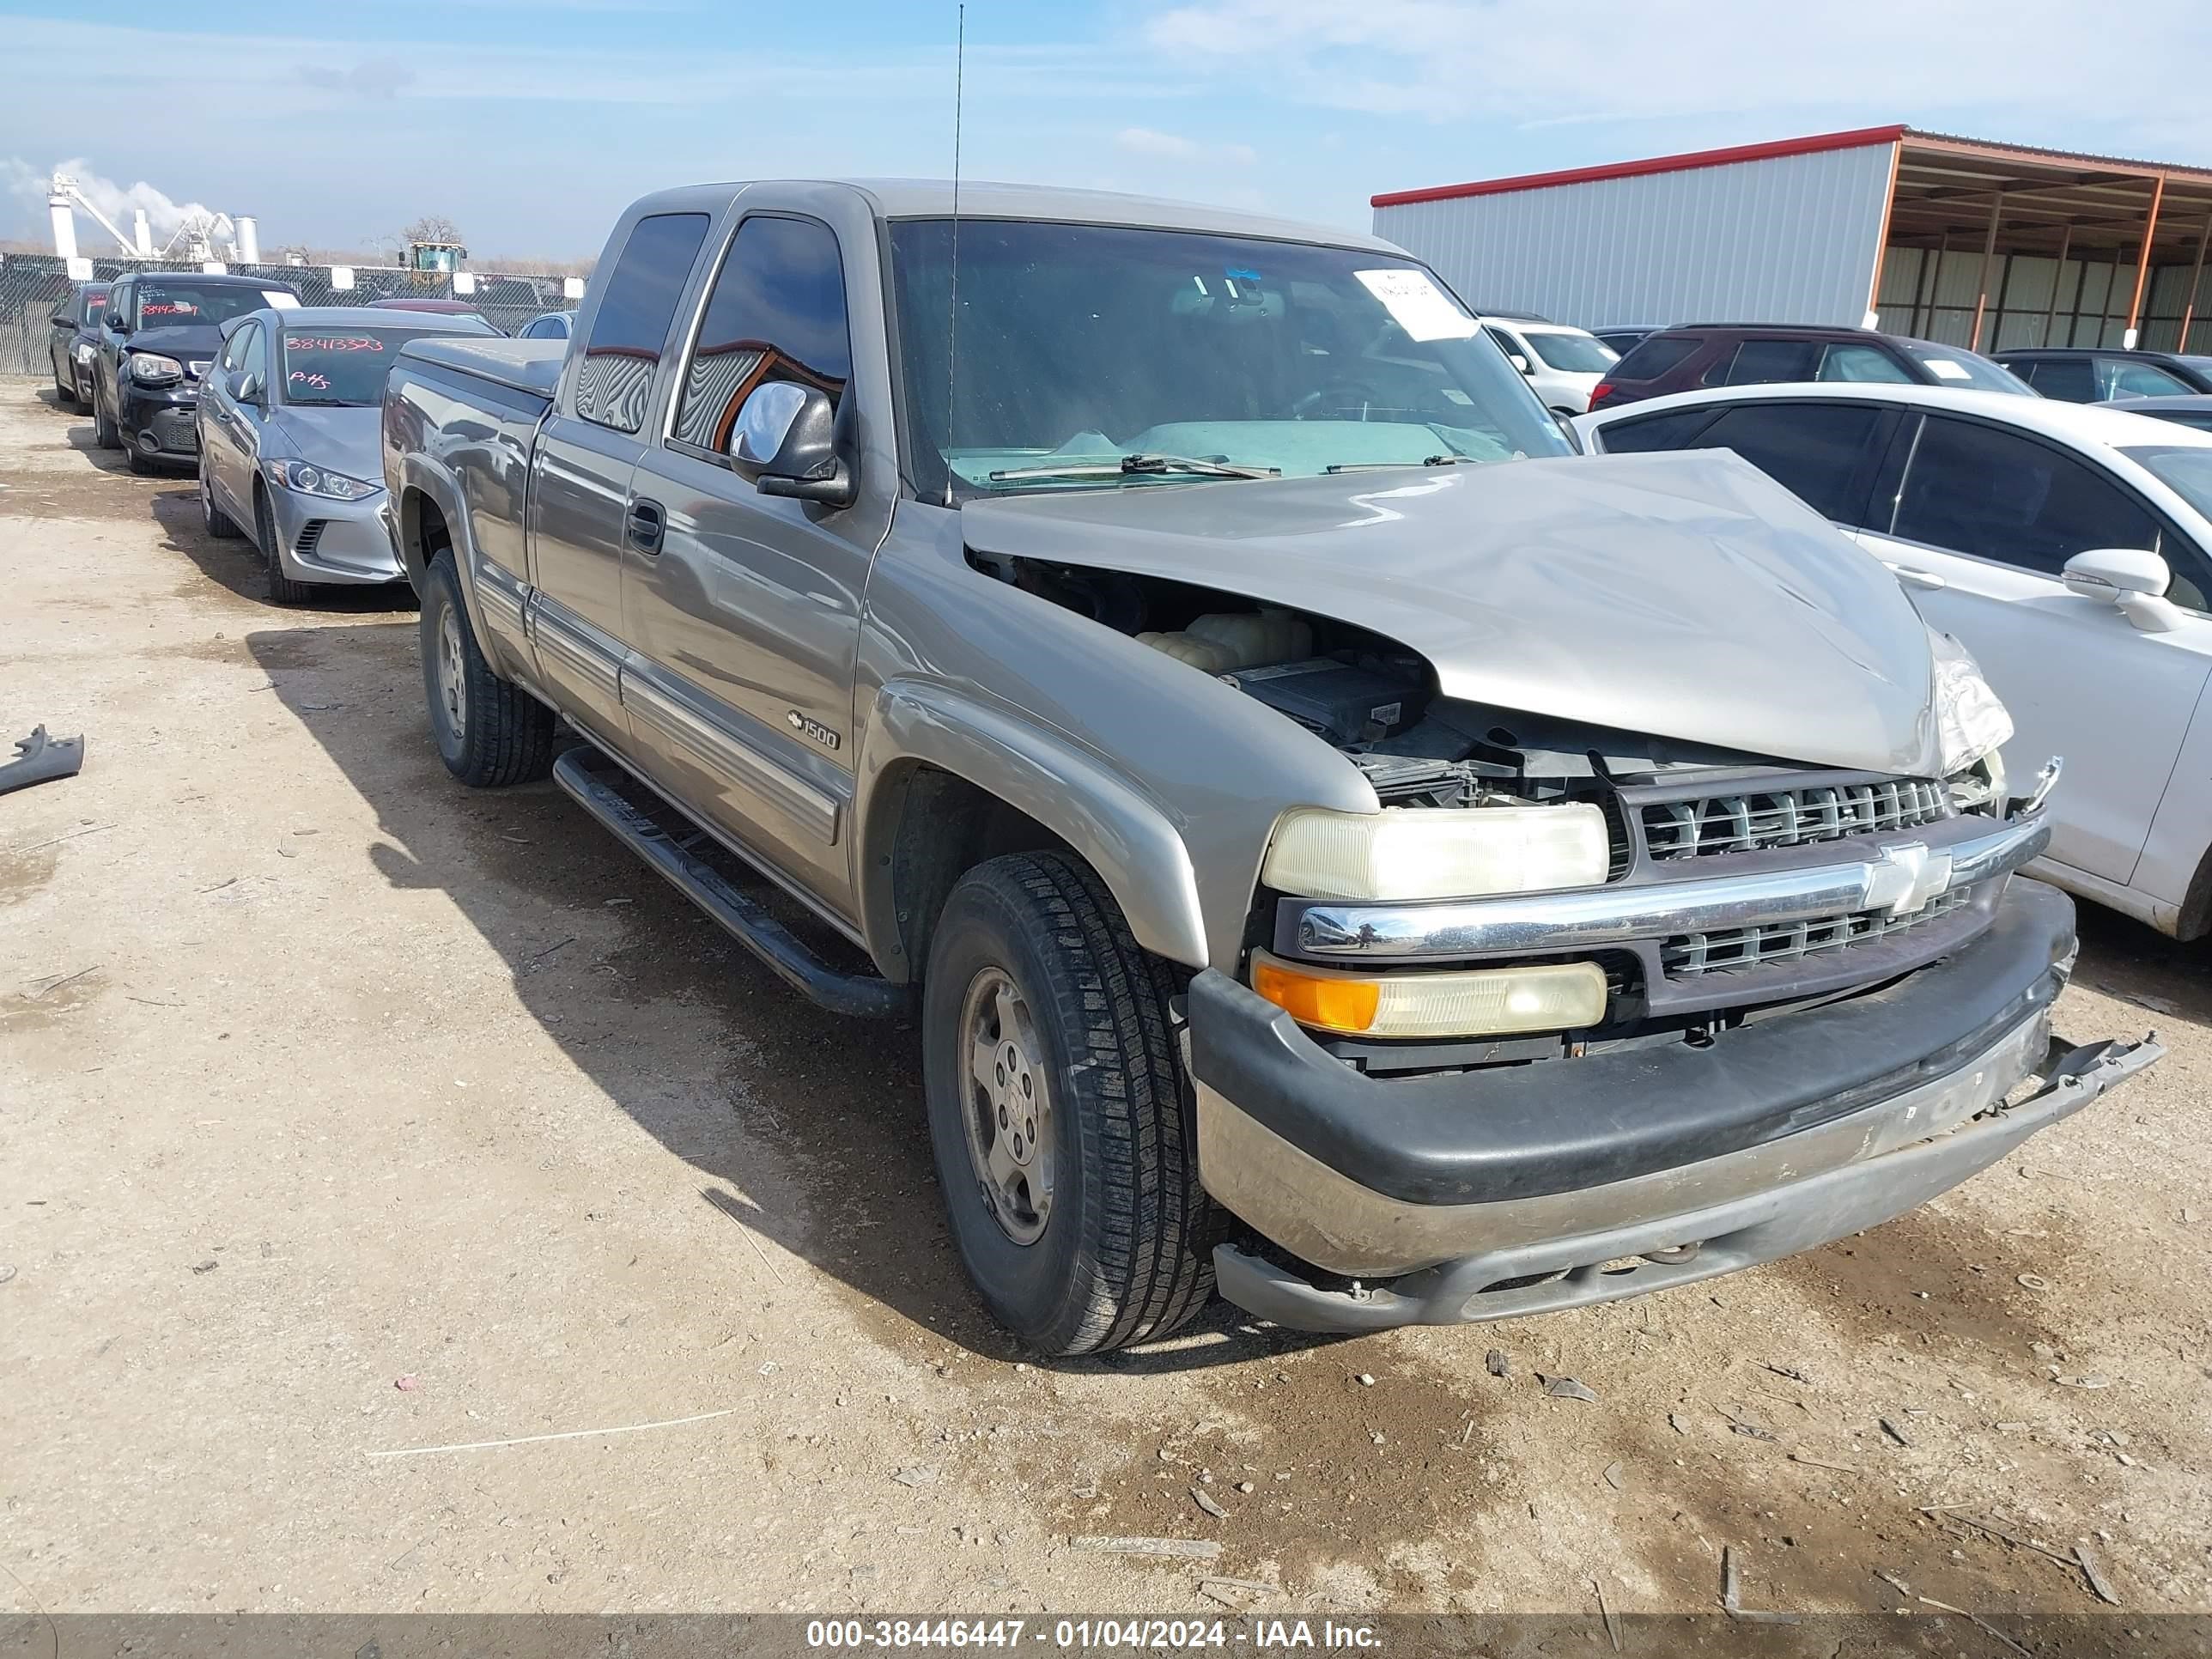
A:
{"x":151,"y":368}
{"x":314,"y":481}
{"x":82,"y":351}
{"x":1437,"y":852}
{"x":1554,"y":996}
{"x":1970,"y":721}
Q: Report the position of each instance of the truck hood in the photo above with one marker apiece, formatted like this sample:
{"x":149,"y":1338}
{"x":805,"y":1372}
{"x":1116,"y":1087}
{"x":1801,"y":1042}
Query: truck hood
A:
{"x":346,"y":441}
{"x":1684,"y":595}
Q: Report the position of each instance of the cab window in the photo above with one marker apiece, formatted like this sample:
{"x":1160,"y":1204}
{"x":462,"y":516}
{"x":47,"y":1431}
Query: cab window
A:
{"x":777,"y":313}
{"x":635,"y":314}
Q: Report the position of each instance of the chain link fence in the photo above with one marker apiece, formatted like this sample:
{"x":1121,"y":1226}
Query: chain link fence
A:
{"x":33,"y":286}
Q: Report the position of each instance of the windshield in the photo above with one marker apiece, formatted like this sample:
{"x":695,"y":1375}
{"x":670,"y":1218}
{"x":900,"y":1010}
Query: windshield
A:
{"x":174,"y":305}
{"x":2186,"y":471}
{"x":94,"y":302}
{"x":1965,"y":368}
{"x":1081,"y":345}
{"x":342,"y":367}
{"x":1575,"y":354}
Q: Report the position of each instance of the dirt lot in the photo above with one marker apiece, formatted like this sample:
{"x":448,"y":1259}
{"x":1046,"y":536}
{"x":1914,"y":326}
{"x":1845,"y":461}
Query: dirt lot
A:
{"x":344,"y":1112}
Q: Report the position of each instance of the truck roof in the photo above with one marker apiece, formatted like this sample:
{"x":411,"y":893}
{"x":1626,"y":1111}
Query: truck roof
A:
{"x":932,"y":198}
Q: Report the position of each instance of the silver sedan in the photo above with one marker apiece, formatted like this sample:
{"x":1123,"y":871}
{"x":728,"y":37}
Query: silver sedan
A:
{"x":287,"y":440}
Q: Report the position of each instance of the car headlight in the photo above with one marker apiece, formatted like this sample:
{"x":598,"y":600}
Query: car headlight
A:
{"x":1970,"y":720}
{"x":151,"y":368}
{"x":315,"y":481}
{"x":82,"y":351}
{"x":1437,"y":852}
{"x":1551,"y":996}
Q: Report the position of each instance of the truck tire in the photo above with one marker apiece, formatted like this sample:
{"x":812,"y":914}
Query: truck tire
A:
{"x":489,"y":732}
{"x":283,"y":590}
{"x":1069,"y":1173}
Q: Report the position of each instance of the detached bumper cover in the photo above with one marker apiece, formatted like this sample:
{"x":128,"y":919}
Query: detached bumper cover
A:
{"x":1505,"y":1192}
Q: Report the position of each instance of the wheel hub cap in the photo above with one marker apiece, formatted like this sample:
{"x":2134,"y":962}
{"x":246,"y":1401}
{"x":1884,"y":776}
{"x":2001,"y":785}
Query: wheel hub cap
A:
{"x":450,"y":672}
{"x":1008,"y":1105}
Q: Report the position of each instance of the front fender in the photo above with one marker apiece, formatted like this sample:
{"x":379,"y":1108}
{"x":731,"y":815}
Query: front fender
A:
{"x":1122,"y":833}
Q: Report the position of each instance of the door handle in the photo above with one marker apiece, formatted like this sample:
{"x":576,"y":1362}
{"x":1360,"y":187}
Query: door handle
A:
{"x":1911,"y":578}
{"x":645,"y":523}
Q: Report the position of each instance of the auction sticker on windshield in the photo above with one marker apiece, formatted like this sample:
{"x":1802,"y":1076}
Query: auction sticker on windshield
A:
{"x":1416,"y":305}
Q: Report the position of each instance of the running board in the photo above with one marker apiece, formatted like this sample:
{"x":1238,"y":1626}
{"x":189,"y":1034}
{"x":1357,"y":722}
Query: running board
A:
{"x":860,"y":996}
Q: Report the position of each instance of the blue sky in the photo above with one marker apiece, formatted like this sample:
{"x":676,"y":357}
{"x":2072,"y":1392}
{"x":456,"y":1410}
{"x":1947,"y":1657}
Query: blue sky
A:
{"x":532,"y":122}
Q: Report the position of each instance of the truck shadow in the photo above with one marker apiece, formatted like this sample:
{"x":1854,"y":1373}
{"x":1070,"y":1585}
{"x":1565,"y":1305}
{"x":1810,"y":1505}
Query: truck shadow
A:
{"x":805,"y":1129}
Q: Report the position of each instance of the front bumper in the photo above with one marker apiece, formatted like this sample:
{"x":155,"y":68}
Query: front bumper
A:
{"x":162,"y":422}
{"x":1520,"y":1190}
{"x":340,"y":542}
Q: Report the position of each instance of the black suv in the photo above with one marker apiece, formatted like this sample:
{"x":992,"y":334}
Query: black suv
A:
{"x":160,"y":334}
{"x":75,"y":335}
{"x":1763,"y":354}
{"x":2087,"y":374}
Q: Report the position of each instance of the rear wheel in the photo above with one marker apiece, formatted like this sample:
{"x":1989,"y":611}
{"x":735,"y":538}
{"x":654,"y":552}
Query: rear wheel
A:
{"x":1056,"y":1111}
{"x":216,"y":522}
{"x":103,"y":431}
{"x":283,"y":590}
{"x":489,"y":732}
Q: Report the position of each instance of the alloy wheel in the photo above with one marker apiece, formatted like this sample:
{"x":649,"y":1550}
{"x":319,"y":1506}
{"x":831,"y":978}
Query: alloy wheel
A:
{"x":1006,"y":1098}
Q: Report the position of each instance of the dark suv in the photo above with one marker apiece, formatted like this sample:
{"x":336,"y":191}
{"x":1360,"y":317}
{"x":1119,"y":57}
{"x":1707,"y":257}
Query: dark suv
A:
{"x":1762,"y":354}
{"x":2085,"y":375}
{"x":76,"y":332}
{"x":158,"y":337}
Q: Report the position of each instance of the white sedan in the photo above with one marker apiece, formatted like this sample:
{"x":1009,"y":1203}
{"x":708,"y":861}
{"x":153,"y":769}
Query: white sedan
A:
{"x":2068,"y":545}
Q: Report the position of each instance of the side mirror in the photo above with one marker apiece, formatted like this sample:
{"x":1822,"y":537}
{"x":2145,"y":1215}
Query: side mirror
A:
{"x":2130,"y":579}
{"x":246,"y":386}
{"x":1519,"y":362}
{"x":114,"y":320}
{"x":787,"y":441}
{"x":62,"y":320}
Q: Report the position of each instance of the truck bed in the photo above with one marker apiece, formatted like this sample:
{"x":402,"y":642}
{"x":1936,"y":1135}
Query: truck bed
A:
{"x":532,"y":365}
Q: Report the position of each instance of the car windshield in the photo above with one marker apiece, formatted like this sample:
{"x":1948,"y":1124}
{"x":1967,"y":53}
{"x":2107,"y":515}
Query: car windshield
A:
{"x":342,"y":367}
{"x":1952,"y":367}
{"x":1092,"y":356}
{"x":94,"y":301}
{"x":1574,"y":354}
{"x":172,"y":304}
{"x":2185,"y":470}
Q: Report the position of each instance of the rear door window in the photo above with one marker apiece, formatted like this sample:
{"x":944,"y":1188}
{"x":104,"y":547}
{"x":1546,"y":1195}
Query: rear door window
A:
{"x":2069,"y":380}
{"x":1861,"y":364}
{"x":1999,"y":495}
{"x":632,"y":323}
{"x":1770,"y":363}
{"x":2119,"y":378}
{"x":1657,"y":356}
{"x":777,"y":313}
{"x":1823,"y":454}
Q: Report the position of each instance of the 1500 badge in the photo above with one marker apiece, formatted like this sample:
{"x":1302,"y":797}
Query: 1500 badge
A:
{"x":814,"y":729}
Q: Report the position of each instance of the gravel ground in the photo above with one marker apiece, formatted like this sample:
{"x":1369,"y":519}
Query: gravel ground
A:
{"x":345,"y":1113}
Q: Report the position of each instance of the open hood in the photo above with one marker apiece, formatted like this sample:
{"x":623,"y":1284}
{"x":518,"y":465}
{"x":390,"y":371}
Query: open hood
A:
{"x":187,"y":343}
{"x":1685,"y":595}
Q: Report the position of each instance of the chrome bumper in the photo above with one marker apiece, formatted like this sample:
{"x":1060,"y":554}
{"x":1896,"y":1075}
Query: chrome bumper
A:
{"x":1899,"y":879}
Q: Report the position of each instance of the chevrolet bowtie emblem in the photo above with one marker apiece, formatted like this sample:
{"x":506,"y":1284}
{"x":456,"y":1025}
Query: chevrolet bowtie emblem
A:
{"x":1906,"y":877}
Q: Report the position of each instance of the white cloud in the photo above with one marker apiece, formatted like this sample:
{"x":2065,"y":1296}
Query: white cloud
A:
{"x":1146,"y":141}
{"x":118,"y":203}
{"x":1538,"y":61}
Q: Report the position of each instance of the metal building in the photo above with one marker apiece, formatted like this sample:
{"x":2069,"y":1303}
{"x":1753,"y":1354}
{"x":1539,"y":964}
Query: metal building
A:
{"x":1982,"y":245}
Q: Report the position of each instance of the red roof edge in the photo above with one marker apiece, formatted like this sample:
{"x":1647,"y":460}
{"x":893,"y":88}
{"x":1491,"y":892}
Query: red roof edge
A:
{"x":1813,"y":145}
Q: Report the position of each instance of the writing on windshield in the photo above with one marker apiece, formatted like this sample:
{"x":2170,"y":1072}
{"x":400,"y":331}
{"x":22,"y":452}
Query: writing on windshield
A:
{"x":341,"y":367}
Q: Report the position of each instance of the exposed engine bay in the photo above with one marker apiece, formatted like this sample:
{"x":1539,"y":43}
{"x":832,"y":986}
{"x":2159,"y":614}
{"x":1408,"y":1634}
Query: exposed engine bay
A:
{"x":1366,"y":696}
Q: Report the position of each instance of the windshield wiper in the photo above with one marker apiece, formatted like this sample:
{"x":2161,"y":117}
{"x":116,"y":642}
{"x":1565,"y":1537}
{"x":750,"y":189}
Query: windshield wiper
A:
{"x":1137,"y":467}
{"x":1378,"y":467}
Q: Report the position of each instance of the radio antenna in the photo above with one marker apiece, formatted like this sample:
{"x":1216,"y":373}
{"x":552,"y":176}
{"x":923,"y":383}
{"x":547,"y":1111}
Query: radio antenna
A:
{"x":952,"y":321}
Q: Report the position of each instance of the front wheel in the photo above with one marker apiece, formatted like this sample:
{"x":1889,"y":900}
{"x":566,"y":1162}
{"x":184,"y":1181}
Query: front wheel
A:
{"x":64,"y":390}
{"x":1056,"y":1111}
{"x":283,"y":589}
{"x":216,"y":522}
{"x":489,"y":732}
{"x":105,"y":433}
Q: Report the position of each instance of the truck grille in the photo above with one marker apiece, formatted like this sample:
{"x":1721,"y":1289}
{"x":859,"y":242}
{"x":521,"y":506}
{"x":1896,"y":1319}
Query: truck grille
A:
{"x":1756,"y":819}
{"x":1688,"y":955}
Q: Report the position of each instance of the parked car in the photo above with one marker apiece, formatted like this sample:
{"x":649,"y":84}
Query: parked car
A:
{"x":287,"y":440}
{"x":70,"y":346}
{"x":2195,"y":410}
{"x":437,"y":308}
{"x":1624,"y":340}
{"x":1742,"y":354}
{"x":2068,"y":547}
{"x":159,"y":335}
{"x":553,"y":325}
{"x":1562,"y":363}
{"x":2080,"y":374}
{"x":1333,"y":839}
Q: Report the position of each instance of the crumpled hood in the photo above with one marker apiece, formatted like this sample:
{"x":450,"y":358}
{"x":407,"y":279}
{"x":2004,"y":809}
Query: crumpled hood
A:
{"x":187,"y":343}
{"x":1686,"y":595}
{"x":343,"y":440}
